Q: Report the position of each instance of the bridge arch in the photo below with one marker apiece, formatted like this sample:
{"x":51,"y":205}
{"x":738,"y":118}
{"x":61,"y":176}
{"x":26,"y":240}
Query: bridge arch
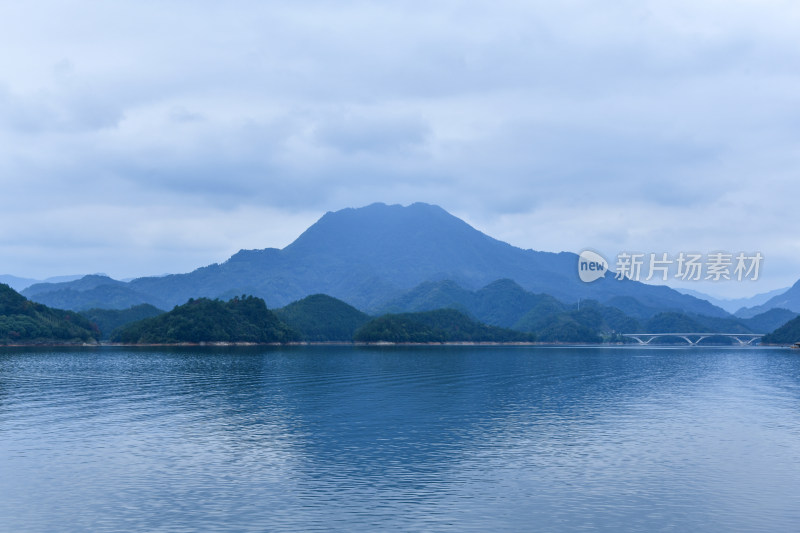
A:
{"x":744,"y":339}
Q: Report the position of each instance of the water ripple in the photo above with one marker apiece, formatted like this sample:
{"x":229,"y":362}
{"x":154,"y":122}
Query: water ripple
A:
{"x":433,"y":439}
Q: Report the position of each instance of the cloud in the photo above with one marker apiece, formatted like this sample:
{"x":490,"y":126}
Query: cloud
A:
{"x":369,"y":133}
{"x":70,"y":110}
{"x":136,"y":240}
{"x":515,"y":115}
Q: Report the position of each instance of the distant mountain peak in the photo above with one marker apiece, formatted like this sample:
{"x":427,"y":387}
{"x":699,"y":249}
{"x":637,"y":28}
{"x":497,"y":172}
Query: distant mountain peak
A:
{"x":504,"y":283}
{"x":369,"y":256}
{"x":419,"y":228}
{"x":789,"y":299}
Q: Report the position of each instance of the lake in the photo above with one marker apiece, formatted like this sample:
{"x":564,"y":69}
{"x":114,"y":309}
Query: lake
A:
{"x":462,"y":438}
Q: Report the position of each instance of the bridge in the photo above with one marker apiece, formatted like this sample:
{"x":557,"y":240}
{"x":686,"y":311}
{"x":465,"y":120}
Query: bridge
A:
{"x":744,"y":339}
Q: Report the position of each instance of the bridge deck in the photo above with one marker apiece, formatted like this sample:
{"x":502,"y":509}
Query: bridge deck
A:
{"x":744,"y":339}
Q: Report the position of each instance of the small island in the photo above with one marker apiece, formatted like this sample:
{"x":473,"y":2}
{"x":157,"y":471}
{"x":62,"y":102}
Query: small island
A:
{"x":244,"y":319}
{"x":439,"y":326}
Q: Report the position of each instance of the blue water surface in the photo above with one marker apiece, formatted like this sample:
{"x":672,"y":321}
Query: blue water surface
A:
{"x":481,"y":438}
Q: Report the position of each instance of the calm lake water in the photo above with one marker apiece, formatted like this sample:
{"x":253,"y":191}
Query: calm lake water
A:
{"x":413,"y":439}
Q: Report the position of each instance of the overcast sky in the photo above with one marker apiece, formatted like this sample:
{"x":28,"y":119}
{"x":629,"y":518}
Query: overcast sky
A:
{"x":146,"y":137}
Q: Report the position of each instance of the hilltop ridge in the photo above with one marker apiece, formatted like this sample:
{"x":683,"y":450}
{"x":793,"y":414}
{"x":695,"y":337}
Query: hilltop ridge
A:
{"x":367,"y":257}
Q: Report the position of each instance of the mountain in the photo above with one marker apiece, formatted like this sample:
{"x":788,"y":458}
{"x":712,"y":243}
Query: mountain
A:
{"x":769,"y":320}
{"x":91,"y":292}
{"x":15,"y":282}
{"x":500,"y":303}
{"x":431,"y":295}
{"x":82,"y":284}
{"x":505,"y":304}
{"x":26,"y":322}
{"x":672,"y":322}
{"x":588,"y":322}
{"x":244,"y":319}
{"x":788,"y":333}
{"x":108,"y":320}
{"x":322,"y":318}
{"x":732,"y":305}
{"x":540,"y":315}
{"x":442,"y":325}
{"x":565,"y":328}
{"x":19,"y":284}
{"x":370,"y":256}
{"x":790,"y":299}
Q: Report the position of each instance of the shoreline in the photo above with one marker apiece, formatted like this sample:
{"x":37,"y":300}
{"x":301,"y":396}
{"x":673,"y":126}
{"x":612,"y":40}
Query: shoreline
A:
{"x":102,"y":344}
{"x":303,"y":343}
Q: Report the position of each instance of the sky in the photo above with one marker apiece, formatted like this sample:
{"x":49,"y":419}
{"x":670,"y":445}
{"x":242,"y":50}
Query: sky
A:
{"x":142,"y":137}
